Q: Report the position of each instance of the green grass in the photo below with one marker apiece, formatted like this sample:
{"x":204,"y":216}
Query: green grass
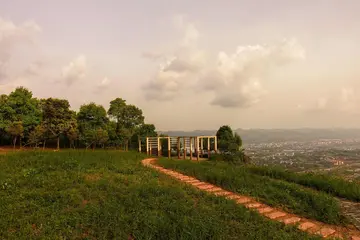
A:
{"x":333,"y":185}
{"x":110,"y":195}
{"x":289,"y":196}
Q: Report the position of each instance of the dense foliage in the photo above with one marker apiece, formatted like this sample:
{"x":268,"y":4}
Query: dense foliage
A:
{"x":109,"y":195}
{"x":290,"y":196}
{"x":229,"y":146}
{"x":24,"y":118}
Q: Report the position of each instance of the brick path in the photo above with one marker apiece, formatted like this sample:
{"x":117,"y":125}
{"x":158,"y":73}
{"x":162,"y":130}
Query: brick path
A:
{"x":304,"y":224}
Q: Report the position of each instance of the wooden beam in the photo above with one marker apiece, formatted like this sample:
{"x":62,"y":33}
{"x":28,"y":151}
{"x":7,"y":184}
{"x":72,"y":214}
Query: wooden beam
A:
{"x":158,"y":147}
{"x":178,"y":147}
{"x":208,"y":147}
{"x":150,"y":148}
{"x":197,"y":146}
{"x":147,"y":146}
{"x":169,"y":148}
{"x":191,"y":148}
{"x":202,"y":146}
{"x":184,"y":148}
{"x":139,"y":142}
{"x":215,"y":138}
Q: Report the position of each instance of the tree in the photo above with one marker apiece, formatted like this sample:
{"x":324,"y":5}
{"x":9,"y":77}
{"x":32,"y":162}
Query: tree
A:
{"x":57,"y":117}
{"x":73,"y":134}
{"x":128,"y":119}
{"x":7,"y":114}
{"x":37,"y":135}
{"x":91,"y":117}
{"x":15,"y":129}
{"x":24,"y":108}
{"x":225,"y":138}
{"x":230,"y":145}
{"x":101,"y":137}
{"x":116,"y":110}
{"x":132,"y":117}
{"x":92,"y":137}
{"x":146,"y":130}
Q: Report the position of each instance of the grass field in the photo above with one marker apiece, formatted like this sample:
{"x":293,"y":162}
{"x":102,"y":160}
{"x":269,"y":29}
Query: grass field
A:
{"x":286,"y":195}
{"x":333,"y":185}
{"x":110,"y":195}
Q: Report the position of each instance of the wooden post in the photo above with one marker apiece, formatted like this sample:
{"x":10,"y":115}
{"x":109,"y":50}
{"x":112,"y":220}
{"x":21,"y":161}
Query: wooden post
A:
{"x":197,"y":146}
{"x":215,"y":139}
{"x":139,"y":142}
{"x":150,"y":148}
{"x":158,"y":147}
{"x":208,"y":147}
{"x":178,"y":147}
{"x":169,"y":147}
{"x":184,"y":147}
{"x":147,"y":146}
{"x":202,"y":146}
{"x":191,"y":148}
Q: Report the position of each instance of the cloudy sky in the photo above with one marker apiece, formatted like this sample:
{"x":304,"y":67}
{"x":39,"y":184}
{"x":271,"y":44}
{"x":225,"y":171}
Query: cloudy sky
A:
{"x":191,"y":64}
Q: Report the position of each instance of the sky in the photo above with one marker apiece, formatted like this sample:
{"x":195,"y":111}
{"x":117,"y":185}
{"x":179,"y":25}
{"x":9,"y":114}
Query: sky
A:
{"x":191,"y":65}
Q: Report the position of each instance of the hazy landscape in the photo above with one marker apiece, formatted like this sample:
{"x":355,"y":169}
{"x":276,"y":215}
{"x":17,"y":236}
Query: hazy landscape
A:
{"x":161,"y":120}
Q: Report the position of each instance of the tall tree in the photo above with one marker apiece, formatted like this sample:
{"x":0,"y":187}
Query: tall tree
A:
{"x":227,"y":140}
{"x":146,"y":130}
{"x":91,"y":118}
{"x":73,"y":134}
{"x":116,"y":111}
{"x":132,"y":117}
{"x":7,"y":114}
{"x":25,"y":108}
{"x":57,"y":117}
{"x":128,"y":118}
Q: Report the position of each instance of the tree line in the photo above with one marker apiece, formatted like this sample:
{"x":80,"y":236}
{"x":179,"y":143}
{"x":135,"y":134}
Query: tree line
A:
{"x":28,"y":121}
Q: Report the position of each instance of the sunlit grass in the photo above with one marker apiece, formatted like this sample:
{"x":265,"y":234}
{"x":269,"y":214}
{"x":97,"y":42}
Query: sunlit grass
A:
{"x":286,"y":195}
{"x":110,"y":195}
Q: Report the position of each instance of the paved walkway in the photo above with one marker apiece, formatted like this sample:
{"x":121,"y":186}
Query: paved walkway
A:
{"x":304,"y":224}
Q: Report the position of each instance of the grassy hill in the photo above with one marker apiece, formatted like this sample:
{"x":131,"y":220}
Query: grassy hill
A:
{"x":110,"y":195}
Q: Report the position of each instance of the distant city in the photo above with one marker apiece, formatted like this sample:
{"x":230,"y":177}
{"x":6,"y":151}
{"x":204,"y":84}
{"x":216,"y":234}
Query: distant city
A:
{"x":331,"y":151}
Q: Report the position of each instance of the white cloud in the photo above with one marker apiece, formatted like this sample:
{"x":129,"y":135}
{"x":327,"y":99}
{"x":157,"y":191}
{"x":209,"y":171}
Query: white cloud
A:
{"x":179,"y":69}
{"x":349,"y":100}
{"x":12,"y":35}
{"x":165,"y":85}
{"x":235,"y":80}
{"x":75,"y":70}
{"x":34,"y":68}
{"x":343,"y":100}
{"x":103,"y":85}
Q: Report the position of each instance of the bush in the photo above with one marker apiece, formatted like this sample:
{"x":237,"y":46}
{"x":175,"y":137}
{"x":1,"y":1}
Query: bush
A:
{"x":236,"y":157}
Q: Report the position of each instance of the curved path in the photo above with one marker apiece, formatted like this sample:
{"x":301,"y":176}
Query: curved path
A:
{"x":304,"y":224}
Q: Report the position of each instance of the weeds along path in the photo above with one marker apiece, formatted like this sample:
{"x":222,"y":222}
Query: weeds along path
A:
{"x":304,"y":224}
{"x":351,"y":210}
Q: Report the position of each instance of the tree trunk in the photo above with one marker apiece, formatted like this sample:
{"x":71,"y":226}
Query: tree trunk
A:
{"x":44,"y":144}
{"x":93,"y":146}
{"x":14,"y":141}
{"x":58,"y":142}
{"x":20,"y":142}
